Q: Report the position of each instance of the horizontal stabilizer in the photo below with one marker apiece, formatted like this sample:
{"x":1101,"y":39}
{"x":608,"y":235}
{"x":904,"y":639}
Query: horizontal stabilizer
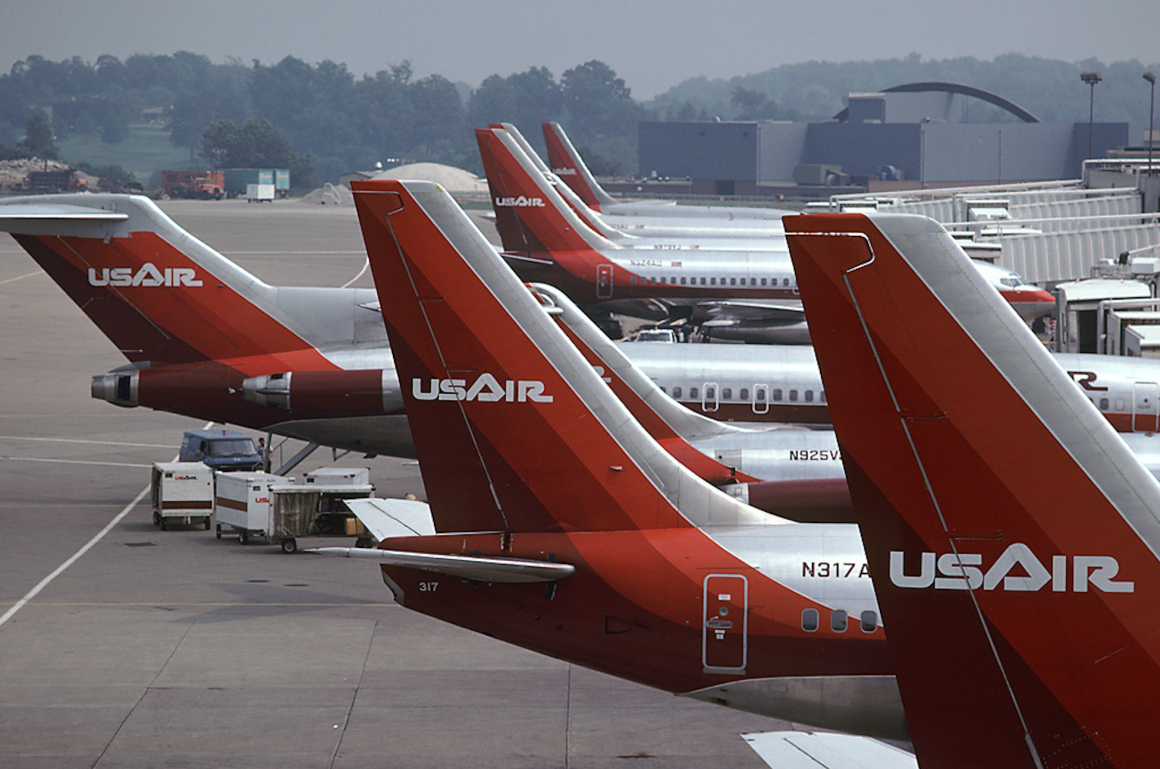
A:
{"x":37,"y":218}
{"x":478,"y":569}
{"x":810,"y":750}
{"x":517,"y":259}
{"x":386,"y":518}
{"x":753,"y":311}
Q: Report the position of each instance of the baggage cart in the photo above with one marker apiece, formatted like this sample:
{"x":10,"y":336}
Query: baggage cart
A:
{"x":182,"y":492}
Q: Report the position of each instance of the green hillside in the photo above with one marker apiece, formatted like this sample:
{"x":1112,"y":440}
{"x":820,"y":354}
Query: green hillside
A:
{"x":143,"y":152}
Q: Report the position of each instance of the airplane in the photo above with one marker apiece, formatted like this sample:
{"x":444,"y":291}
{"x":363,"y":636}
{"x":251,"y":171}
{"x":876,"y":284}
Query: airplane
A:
{"x":1012,"y":538}
{"x":616,"y":225}
{"x":781,"y":383}
{"x":730,"y":288}
{"x":563,"y":527}
{"x":348,"y":395}
{"x":794,"y":473}
{"x":547,"y":242}
{"x":194,"y":326}
{"x":567,"y":164}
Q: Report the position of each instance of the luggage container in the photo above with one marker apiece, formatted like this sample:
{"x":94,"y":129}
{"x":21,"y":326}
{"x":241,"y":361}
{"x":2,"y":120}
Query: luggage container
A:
{"x":260,"y":505}
{"x":182,"y":492}
{"x":242,"y":501}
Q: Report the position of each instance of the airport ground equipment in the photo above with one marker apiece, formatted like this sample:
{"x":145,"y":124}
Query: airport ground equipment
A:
{"x":274,"y":508}
{"x":182,"y":492}
{"x":220,"y":449}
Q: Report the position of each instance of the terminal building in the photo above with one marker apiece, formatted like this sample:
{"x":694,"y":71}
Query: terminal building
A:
{"x":915,"y":135}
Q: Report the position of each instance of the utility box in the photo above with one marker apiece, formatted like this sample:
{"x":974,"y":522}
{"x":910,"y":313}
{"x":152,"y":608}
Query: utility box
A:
{"x":182,"y":492}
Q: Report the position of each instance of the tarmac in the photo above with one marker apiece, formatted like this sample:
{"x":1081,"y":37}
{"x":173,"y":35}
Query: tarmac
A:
{"x":125,"y":646}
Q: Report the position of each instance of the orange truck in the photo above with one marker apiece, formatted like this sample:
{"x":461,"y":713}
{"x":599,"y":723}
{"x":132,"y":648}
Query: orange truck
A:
{"x":202,"y":185}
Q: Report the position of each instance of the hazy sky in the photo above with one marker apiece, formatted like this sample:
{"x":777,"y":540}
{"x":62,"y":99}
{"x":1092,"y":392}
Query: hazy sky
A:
{"x":652,"y":44}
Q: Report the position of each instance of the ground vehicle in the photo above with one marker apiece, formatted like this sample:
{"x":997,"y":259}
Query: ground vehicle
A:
{"x":238,"y":180}
{"x":203,"y":185}
{"x":220,"y":449}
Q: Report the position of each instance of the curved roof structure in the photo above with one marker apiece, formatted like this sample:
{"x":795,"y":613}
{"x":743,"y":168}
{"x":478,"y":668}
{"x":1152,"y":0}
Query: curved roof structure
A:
{"x":959,"y":88}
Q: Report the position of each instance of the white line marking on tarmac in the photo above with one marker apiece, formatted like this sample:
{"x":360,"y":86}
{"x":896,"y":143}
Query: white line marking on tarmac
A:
{"x":76,"y":556}
{"x":74,"y":462}
{"x":82,"y":440}
{"x":84,"y":549}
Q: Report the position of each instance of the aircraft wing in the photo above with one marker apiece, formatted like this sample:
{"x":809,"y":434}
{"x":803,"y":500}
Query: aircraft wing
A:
{"x":775,"y":312}
{"x":386,"y":518}
{"x":822,"y":750}
{"x":42,"y":218}
{"x":475,"y":568}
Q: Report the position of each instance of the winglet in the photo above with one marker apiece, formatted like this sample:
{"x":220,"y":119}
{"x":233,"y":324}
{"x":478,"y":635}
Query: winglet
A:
{"x":1011,"y":536}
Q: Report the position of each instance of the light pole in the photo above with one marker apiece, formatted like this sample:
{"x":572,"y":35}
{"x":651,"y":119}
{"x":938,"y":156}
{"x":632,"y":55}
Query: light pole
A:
{"x":1151,"y":111}
{"x":1091,"y":78}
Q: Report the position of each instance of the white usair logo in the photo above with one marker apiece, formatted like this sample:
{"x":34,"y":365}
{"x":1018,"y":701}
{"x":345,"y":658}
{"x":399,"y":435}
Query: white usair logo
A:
{"x":147,"y":275}
{"x":1016,"y":570}
{"x":520,"y":202}
{"x":486,"y":388}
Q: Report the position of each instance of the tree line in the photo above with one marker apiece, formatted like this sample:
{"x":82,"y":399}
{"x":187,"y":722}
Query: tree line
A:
{"x":322,"y":116}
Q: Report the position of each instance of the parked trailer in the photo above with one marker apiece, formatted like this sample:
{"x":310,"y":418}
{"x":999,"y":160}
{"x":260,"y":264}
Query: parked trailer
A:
{"x":242,"y":501}
{"x":238,"y":180}
{"x":182,"y":492}
{"x":260,"y":505}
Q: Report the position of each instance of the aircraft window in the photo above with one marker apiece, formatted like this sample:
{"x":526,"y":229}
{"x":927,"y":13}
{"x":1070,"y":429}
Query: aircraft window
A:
{"x":632,"y":279}
{"x":676,"y":392}
{"x":838,"y":621}
{"x":662,"y":280}
{"x":763,"y":281}
{"x":733,"y":281}
{"x":777,"y":394}
{"x":683,"y":281}
{"x":673,"y":280}
{"x":785,"y":281}
{"x":869,"y":621}
{"x":693,"y":393}
{"x":1119,"y":404}
{"x":1103,"y":404}
{"x":809,"y":396}
{"x":712,"y":281}
{"x":759,"y":394}
{"x":744,"y":394}
{"x":702,"y":281}
{"x":822,"y":397}
{"x":793,"y":395}
{"x":726,"y":393}
{"x":809,"y":620}
{"x":742,"y":281}
{"x":710,"y":393}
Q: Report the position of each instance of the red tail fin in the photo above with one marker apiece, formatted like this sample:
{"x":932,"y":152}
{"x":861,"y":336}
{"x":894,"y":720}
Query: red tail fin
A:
{"x":566,"y":163}
{"x":514,"y":430}
{"x":530,"y":215}
{"x":1011,"y":536}
{"x":160,"y":295}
